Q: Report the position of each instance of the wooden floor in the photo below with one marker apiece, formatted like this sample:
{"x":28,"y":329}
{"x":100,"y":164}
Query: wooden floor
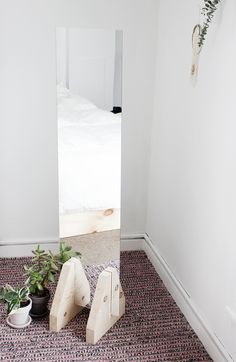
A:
{"x":87,"y":222}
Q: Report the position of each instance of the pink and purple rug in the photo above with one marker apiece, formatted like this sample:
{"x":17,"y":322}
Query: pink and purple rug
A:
{"x":153,"y":328}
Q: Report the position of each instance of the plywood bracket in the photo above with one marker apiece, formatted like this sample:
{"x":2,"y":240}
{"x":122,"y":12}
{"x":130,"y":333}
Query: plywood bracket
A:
{"x":107,"y":307}
{"x":71,"y":296}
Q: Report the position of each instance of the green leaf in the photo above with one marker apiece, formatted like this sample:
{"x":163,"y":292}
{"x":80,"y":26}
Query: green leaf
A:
{"x":51,"y":277}
{"x":13,"y":305}
{"x":39,"y":286}
{"x":54,"y":266}
{"x":68,"y":248}
{"x":23,"y":293}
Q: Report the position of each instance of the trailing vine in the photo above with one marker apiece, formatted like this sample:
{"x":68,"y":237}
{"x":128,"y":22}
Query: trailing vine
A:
{"x":210,"y":6}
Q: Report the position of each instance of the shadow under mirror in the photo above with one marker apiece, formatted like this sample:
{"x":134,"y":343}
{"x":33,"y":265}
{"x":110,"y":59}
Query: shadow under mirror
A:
{"x":89,"y":106}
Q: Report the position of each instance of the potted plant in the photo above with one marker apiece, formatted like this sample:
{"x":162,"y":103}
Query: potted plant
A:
{"x":66,"y":253}
{"x":18,"y":305}
{"x":43,"y":270}
{"x":40,"y":274}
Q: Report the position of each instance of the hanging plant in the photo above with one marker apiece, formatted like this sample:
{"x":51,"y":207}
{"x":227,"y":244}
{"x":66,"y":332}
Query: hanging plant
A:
{"x":208,"y":11}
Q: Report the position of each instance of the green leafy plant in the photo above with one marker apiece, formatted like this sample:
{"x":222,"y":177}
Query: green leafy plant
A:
{"x":42,"y":272}
{"x":14,"y":297}
{"x":208,"y":10}
{"x":45,"y":267}
{"x":66,"y":253}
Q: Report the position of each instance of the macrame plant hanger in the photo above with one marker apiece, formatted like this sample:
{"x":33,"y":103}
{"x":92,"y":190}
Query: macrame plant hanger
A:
{"x":195,"y":53}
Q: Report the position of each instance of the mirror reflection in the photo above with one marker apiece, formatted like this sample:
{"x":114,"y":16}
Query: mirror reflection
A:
{"x":89,"y":104}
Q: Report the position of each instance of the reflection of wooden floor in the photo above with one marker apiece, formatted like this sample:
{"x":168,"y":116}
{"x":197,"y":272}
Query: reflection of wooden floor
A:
{"x":96,"y":248}
{"x":89,"y":222}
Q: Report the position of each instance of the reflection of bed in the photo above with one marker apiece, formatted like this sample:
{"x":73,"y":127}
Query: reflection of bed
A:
{"x":89,"y":166}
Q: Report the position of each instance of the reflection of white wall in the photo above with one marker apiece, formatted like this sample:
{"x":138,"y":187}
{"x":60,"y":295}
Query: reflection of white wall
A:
{"x":91,"y":60}
{"x":118,"y":69}
{"x":86,"y":63}
{"x":61,"y":48}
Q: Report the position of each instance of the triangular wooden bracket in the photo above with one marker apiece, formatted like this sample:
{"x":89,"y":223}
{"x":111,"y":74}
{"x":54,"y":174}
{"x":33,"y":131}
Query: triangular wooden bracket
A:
{"x":107,"y":307}
{"x":71,"y":296}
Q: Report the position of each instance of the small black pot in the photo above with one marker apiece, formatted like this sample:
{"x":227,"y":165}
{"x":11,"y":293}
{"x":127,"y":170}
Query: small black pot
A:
{"x":39,"y":305}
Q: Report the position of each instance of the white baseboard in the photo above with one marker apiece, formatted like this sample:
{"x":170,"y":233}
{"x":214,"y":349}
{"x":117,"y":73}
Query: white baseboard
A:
{"x":132,"y":242}
{"x":208,"y":338}
{"x":24,"y":248}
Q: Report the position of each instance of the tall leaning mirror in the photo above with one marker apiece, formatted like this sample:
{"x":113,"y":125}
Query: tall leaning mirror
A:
{"x":89,"y":108}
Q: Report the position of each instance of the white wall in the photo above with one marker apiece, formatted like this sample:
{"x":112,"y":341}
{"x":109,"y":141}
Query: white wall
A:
{"x":28,"y":134}
{"x":192,"y":187}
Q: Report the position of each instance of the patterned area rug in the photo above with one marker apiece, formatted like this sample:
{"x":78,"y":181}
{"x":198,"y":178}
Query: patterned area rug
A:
{"x":153,"y":328}
{"x":92,"y":273}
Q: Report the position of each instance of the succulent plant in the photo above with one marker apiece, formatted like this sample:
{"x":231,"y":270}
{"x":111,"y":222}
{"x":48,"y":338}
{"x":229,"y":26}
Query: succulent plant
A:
{"x":45,"y":266}
{"x":66,"y":253}
{"x":42,"y":272}
{"x":14,"y":297}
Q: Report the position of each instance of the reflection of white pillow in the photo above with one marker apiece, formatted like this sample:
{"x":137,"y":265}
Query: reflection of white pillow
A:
{"x":68,"y":100}
{"x":62,"y":91}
